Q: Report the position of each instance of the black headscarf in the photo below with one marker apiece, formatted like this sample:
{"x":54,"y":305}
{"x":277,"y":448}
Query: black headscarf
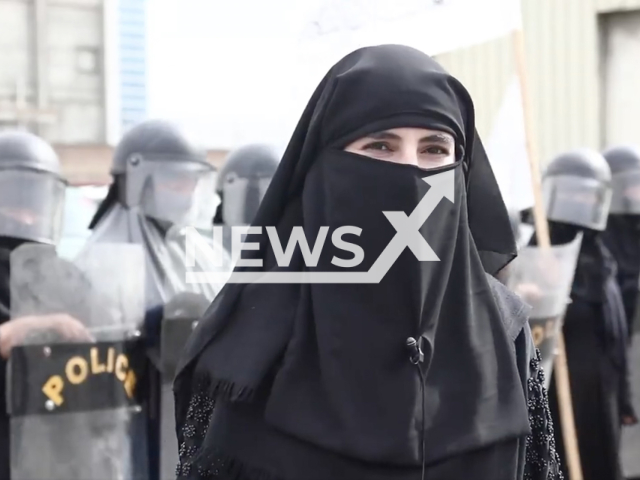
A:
{"x":342,"y":379}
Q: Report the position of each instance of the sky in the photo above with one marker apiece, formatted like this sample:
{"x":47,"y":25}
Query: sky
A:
{"x":224,"y":74}
{"x":237,"y":72}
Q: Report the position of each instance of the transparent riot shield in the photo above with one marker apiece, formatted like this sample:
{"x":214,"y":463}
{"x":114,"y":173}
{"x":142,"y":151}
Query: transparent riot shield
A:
{"x":188,"y":292}
{"x":71,"y":403}
{"x":181,"y":315}
{"x":543,"y":279}
{"x":191,"y":255}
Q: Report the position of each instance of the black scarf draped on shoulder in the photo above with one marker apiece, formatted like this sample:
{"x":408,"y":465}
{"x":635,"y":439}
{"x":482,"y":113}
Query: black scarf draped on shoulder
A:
{"x":333,"y":356}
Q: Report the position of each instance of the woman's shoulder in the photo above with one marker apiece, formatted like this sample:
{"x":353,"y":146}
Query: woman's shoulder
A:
{"x":514,"y":312}
{"x":541,"y":460}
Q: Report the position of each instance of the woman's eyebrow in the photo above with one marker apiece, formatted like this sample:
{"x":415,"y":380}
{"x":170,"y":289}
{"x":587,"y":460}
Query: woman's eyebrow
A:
{"x":438,"y":138}
{"x":383,"y":136}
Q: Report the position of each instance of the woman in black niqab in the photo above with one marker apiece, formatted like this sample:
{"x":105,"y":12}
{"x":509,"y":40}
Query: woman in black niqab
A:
{"x":315,"y":381}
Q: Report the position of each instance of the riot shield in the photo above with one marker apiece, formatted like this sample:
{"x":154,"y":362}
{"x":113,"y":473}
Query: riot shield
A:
{"x":71,"y":404}
{"x":191,"y":253}
{"x":180,"y":318}
{"x":543,"y":279}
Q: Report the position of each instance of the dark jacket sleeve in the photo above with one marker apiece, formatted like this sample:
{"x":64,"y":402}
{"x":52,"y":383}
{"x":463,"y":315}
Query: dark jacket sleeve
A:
{"x":542,"y":461}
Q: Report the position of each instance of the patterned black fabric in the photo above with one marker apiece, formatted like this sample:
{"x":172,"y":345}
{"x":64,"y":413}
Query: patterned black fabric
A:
{"x":193,"y":432}
{"x":542,"y":460}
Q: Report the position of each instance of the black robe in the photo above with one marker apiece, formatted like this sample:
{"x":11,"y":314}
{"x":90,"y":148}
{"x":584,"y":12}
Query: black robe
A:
{"x":595,"y":338}
{"x":314,"y":380}
{"x":242,"y":426}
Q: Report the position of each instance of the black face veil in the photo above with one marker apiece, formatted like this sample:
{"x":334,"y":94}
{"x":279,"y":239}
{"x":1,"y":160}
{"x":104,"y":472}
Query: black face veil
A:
{"x":332,"y":358}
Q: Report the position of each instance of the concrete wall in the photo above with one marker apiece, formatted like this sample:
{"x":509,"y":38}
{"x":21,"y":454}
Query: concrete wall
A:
{"x":563,"y":42}
{"x":51,"y":53}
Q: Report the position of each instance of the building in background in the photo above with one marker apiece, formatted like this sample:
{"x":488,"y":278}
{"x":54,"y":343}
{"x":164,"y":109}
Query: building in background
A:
{"x":75,"y":73}
{"x":583,"y":61}
{"x":53,"y":79}
{"x":51,"y":74}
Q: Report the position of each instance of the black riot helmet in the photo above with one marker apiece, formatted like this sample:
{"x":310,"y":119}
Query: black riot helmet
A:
{"x":243,"y":181}
{"x":158,"y":171}
{"x":32,"y":188}
{"x":624,"y":161}
{"x":577,"y":189}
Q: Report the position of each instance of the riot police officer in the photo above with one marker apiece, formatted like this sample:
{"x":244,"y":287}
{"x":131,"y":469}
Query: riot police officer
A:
{"x":623,"y":227}
{"x":623,"y":240}
{"x":243,"y":181}
{"x":32,"y":189}
{"x":162,"y":186}
{"x":32,"y":193}
{"x":577,"y":192}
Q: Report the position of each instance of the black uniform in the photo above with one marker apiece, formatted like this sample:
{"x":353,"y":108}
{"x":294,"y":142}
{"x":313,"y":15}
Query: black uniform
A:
{"x":623,"y":240}
{"x":31,"y":202}
{"x":623,"y":227}
{"x":577,"y":191}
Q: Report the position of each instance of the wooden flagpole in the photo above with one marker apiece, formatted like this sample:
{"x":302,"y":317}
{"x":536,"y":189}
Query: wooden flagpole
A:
{"x":561,"y":371}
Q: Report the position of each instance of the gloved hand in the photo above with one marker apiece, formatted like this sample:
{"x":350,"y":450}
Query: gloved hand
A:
{"x":14,"y":331}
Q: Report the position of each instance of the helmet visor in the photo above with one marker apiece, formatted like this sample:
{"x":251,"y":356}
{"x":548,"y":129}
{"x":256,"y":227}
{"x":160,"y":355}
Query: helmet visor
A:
{"x":578,"y":201}
{"x":180,"y":193}
{"x":626,"y":193}
{"x":241,"y":198}
{"x":31,"y":205}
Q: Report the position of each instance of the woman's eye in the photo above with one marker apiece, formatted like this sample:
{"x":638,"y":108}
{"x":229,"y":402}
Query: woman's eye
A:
{"x":382,"y":146}
{"x":434,"y":150}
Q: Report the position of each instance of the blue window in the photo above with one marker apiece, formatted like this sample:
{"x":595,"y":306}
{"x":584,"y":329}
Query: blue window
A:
{"x":133,"y":58}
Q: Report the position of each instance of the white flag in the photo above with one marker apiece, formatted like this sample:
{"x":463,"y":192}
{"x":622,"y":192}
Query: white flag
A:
{"x":433,"y":26}
{"x":240,"y":72}
{"x":337,"y":27}
{"x":507,"y":150}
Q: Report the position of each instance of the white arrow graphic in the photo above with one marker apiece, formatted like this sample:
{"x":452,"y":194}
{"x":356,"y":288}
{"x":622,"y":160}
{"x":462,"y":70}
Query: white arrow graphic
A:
{"x":407,"y":235}
{"x":408,"y":228}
